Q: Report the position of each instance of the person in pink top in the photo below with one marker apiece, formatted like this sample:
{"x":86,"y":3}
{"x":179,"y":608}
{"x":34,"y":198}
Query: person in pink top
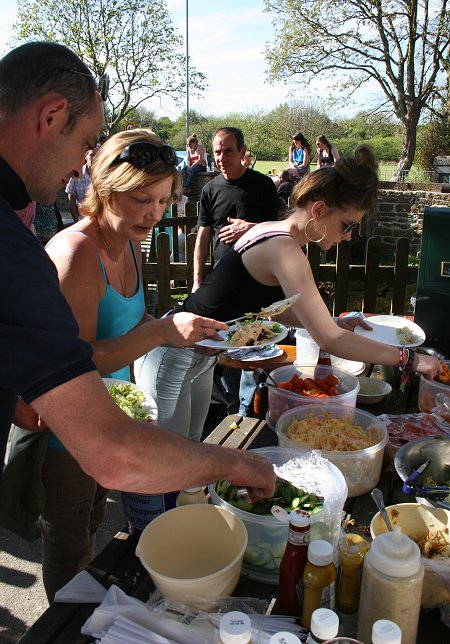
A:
{"x":195,"y":162}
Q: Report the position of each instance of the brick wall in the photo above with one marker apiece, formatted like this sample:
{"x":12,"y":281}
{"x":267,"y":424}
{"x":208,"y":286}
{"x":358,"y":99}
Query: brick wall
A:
{"x":400,"y":212}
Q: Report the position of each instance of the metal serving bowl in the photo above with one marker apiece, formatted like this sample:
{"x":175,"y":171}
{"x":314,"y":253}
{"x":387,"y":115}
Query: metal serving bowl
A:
{"x":410,"y":456}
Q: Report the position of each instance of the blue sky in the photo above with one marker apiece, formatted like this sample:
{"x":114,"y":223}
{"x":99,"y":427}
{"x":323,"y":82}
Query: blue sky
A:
{"x":226,"y":43}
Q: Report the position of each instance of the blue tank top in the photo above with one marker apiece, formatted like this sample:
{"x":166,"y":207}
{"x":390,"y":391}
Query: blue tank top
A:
{"x":117,"y":315}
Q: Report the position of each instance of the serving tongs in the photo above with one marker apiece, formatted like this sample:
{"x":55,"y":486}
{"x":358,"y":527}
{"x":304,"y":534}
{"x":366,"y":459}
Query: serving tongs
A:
{"x":431,"y":492}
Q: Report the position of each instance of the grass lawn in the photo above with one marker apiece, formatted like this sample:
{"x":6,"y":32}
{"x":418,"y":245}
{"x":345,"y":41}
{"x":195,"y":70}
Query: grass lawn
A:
{"x":386,"y":170}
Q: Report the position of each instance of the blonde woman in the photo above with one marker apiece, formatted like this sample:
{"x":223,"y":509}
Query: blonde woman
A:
{"x":133,"y":181}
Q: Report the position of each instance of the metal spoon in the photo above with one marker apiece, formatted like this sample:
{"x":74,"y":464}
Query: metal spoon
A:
{"x":377,"y":496}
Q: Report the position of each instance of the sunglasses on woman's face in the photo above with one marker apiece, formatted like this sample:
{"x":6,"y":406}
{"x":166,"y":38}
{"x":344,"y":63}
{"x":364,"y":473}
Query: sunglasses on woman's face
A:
{"x":349,"y":228}
{"x":143,"y":153}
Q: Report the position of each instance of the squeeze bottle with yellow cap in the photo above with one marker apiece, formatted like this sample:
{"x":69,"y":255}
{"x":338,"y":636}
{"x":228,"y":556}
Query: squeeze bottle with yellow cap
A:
{"x":391,"y":585}
{"x":352,"y":550}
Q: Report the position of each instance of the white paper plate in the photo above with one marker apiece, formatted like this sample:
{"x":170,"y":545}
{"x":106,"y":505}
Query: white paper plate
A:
{"x":276,"y":351}
{"x":221,"y":344}
{"x":384,"y":327}
{"x":350,"y":366}
{"x":149,"y":403}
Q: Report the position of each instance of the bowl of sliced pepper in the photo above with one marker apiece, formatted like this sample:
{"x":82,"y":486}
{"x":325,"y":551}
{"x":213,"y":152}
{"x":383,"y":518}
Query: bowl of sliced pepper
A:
{"x":321,"y":385}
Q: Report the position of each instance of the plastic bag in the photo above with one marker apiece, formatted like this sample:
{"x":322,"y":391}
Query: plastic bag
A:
{"x":207,"y":623}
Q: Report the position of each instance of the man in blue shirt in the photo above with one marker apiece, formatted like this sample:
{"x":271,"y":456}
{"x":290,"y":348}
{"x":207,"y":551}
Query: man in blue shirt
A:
{"x":51,"y":113}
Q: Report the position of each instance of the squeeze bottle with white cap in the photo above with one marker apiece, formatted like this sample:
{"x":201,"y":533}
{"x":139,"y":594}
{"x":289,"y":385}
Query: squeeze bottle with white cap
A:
{"x":324,"y":626}
{"x":318,"y":580}
{"x":284,"y":637}
{"x":190,"y":496}
{"x":235,"y":628}
{"x":386,"y":632}
{"x":391,"y":585}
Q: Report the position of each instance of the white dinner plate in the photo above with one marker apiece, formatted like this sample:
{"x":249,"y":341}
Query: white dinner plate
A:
{"x":222,"y":344}
{"x":149,"y":403}
{"x":384,"y":327}
{"x":254,"y":355}
{"x":350,"y":366}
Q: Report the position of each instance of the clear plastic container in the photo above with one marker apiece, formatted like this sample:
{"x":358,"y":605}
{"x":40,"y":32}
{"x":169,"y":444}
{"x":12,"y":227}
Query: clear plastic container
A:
{"x":428,"y":390}
{"x":361,"y":468}
{"x":267,"y":537}
{"x":281,"y":400}
{"x":307,"y":350}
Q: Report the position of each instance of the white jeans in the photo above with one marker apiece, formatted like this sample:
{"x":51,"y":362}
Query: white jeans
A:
{"x":181,"y":381}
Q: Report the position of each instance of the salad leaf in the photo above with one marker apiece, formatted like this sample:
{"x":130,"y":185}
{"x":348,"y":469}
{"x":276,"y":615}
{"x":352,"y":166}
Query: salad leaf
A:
{"x":130,"y":400}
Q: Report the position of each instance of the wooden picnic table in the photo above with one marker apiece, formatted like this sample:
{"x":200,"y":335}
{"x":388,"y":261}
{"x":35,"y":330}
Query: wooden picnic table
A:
{"x":117,"y":563}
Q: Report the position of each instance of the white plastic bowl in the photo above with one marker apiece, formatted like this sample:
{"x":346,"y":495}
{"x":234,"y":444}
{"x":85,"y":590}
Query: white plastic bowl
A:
{"x":194,"y":553}
{"x":361,"y":468}
{"x":372,"y":390}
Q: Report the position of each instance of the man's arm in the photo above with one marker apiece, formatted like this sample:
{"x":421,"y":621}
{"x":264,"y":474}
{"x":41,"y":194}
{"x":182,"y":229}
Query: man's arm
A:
{"x":201,"y":253}
{"x":137,"y":456}
{"x":73,"y":207}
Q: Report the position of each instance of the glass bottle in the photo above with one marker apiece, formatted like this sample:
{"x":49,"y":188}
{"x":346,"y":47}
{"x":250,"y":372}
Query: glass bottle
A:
{"x":324,"y":626}
{"x":391,"y":585}
{"x":352,"y":550}
{"x":386,"y":632}
{"x":324,"y":358}
{"x":190,"y":496}
{"x":235,"y":628}
{"x":318,"y":580}
{"x":293,"y":562}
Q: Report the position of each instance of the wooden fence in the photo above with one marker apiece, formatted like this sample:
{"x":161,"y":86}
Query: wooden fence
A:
{"x":372,"y":287}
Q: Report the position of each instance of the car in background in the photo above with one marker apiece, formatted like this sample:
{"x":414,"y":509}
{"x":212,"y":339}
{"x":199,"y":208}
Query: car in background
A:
{"x":181,"y":154}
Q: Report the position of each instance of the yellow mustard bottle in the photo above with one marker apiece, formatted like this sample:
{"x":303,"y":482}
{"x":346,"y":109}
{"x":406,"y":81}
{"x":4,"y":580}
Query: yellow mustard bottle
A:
{"x":318,"y":580}
{"x":352,"y":550}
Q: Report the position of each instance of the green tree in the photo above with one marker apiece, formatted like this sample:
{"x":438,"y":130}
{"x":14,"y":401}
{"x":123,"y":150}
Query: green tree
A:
{"x":133,"y":40}
{"x":400,"y":45}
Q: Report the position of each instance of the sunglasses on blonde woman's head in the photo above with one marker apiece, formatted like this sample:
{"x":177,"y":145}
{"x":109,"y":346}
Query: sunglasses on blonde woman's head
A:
{"x":142,"y":153}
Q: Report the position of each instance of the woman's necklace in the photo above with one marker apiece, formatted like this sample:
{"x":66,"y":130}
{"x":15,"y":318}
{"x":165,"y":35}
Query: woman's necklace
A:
{"x":115,"y":261}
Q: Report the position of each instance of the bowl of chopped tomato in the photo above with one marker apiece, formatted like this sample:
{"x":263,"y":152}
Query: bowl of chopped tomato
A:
{"x":429,"y":389}
{"x":298,"y":386}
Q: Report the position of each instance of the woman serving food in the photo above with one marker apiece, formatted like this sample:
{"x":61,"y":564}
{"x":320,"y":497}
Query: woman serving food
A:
{"x":267,"y":264}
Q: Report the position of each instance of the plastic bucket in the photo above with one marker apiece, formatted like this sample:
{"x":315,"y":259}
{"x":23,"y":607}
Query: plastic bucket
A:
{"x":141,"y":509}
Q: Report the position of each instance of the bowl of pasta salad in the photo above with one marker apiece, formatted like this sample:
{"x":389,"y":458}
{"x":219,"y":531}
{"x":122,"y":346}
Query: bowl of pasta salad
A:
{"x":351,"y":439}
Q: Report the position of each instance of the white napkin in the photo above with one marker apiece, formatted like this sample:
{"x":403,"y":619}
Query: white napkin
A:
{"x":83,"y":589}
{"x":130,"y":620}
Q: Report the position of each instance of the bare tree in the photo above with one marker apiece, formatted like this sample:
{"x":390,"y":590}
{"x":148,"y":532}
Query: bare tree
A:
{"x":133,"y":40}
{"x":402,"y":46}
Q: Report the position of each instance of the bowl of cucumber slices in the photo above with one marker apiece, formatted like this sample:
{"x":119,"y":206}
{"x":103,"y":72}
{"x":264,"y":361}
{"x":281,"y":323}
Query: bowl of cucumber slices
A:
{"x":267,"y":537}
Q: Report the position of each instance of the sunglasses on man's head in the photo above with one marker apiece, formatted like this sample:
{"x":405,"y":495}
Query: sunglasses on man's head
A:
{"x":143,"y":153}
{"x":102,"y":83}
{"x":349,"y":228}
{"x":103,"y":86}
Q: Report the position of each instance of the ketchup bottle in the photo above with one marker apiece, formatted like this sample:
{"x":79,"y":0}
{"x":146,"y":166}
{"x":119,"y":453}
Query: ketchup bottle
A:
{"x":324,"y":358}
{"x":293,"y":562}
